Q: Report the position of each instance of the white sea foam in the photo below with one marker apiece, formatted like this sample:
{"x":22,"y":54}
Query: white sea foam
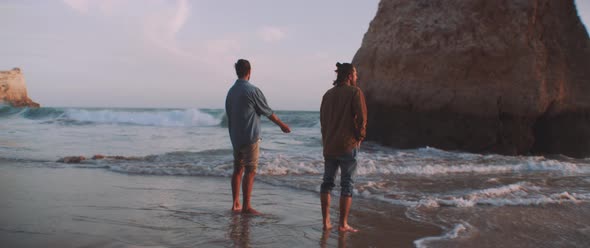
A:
{"x":480,"y":196}
{"x":582,"y":196}
{"x":173,"y":118}
{"x":399,"y":165}
{"x":451,"y":234}
{"x":375,"y":187}
{"x":493,"y":180}
{"x":517,"y":194}
{"x":428,"y":203}
{"x":280,"y":165}
{"x":393,"y":165}
{"x":499,"y":191}
{"x":372,"y":165}
{"x":380,"y":169}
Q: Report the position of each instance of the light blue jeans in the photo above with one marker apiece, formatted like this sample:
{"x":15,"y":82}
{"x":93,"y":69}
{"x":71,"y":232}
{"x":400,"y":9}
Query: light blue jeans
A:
{"x":347,"y":164}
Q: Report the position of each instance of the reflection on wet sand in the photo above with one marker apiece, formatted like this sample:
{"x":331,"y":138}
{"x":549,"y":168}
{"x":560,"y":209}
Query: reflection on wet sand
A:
{"x":342,"y":239}
{"x":239,"y":230}
{"x":325,"y":237}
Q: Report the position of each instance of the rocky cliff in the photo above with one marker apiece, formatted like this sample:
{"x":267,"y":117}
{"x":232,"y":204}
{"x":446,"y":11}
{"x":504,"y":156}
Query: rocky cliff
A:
{"x":507,"y":77}
{"x":13,"y":89}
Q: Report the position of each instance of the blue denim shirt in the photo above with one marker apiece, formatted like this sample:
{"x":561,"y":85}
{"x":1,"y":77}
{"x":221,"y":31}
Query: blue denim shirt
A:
{"x":243,"y":106}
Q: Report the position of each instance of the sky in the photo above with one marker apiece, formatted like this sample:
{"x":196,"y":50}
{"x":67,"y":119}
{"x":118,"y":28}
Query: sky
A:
{"x":180,"y":53}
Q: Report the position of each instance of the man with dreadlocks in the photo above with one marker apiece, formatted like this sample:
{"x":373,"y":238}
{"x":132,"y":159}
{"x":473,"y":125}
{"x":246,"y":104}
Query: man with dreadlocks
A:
{"x":343,"y":117}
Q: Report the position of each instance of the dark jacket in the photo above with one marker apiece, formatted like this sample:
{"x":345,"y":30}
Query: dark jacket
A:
{"x":343,"y":117}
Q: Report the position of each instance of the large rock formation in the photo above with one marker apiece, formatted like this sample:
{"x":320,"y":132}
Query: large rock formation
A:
{"x":13,"y":89}
{"x":507,"y":77}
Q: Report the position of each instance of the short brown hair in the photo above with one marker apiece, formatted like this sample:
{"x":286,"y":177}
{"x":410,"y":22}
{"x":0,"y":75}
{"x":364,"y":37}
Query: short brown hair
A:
{"x":242,"y":68}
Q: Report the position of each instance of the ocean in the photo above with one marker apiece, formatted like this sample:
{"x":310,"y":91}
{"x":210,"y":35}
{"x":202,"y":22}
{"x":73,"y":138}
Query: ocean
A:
{"x":476,"y":199}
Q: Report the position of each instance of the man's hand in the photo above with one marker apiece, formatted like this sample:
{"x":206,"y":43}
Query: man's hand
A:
{"x":279,"y":123}
{"x":285,"y":128}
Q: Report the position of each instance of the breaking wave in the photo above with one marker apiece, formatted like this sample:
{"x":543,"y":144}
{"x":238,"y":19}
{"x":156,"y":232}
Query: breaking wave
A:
{"x":145,"y":117}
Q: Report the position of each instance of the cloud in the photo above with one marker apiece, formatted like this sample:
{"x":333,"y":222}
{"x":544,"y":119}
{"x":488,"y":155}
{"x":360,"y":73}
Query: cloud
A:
{"x":86,"y":6}
{"x":159,"y":24}
{"x":160,"y":21}
{"x":271,"y":34}
{"x":81,"y":6}
{"x":180,"y":17}
{"x":161,"y":27}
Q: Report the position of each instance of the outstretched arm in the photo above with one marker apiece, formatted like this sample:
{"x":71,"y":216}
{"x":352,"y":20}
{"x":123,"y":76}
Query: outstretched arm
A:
{"x":274,"y":118}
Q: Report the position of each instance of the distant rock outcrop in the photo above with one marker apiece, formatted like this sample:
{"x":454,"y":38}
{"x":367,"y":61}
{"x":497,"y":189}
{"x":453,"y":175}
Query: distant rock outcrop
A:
{"x":509,"y":77}
{"x":13,"y":89}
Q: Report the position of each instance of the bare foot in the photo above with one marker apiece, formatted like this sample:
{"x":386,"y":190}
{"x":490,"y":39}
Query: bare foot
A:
{"x":327,"y":226}
{"x":250,"y":211}
{"x":347,"y":228}
{"x":236,"y":208}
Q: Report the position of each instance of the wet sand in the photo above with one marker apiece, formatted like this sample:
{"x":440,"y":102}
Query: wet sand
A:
{"x":72,"y":207}
{"x":551,"y":225}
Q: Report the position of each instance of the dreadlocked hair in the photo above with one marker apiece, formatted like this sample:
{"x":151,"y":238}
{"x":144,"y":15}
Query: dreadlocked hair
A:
{"x":343,"y":71}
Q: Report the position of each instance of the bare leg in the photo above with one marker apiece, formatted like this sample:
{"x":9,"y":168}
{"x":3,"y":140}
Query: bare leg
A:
{"x":345,"y":202}
{"x":236,"y":179}
{"x":325,"y":199}
{"x":247,"y":186}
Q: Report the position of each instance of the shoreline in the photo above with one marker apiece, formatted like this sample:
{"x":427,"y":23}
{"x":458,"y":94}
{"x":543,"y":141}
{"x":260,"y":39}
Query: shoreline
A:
{"x":73,"y":207}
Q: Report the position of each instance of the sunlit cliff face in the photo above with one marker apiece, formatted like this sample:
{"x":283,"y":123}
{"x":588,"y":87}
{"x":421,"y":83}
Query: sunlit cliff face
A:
{"x":13,"y":89}
{"x":469,"y":75}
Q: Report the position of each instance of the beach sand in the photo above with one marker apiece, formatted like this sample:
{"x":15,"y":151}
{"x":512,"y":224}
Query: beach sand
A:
{"x":74,"y":207}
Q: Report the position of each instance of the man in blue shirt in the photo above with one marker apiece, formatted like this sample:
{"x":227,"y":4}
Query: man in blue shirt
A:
{"x":244,"y":105}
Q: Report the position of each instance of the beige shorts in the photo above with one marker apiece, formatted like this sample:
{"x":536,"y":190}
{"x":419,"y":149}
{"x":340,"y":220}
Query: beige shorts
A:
{"x":247,"y":157}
